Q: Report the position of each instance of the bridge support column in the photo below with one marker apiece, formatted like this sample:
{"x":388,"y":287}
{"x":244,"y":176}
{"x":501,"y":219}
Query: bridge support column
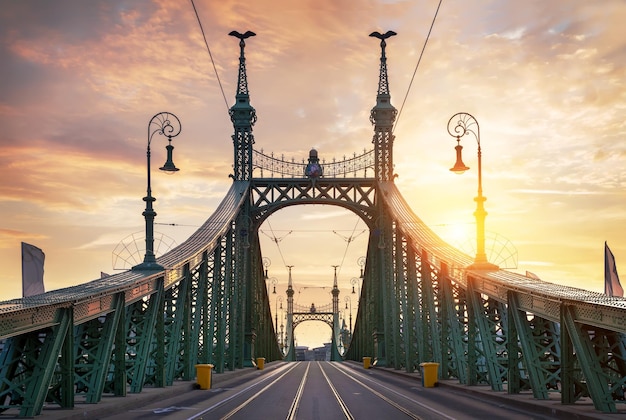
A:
{"x":334,"y":352}
{"x":248,"y":349}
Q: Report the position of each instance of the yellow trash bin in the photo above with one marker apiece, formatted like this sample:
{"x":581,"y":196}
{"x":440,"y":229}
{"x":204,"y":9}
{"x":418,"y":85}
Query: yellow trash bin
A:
{"x":203,"y":375}
{"x":260,"y":363}
{"x":430,"y":372}
{"x":367,"y":362}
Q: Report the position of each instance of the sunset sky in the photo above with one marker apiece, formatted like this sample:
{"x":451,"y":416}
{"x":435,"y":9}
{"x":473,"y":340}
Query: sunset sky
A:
{"x":81,"y":79}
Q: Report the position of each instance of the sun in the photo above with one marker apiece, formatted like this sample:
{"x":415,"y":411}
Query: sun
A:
{"x":458,"y":235}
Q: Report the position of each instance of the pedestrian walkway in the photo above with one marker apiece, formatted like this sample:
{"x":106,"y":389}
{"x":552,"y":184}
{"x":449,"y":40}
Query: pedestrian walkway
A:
{"x":109,"y":406}
{"x":582,"y":409}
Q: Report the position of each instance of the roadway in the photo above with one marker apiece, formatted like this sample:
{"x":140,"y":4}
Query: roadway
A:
{"x":321,"y":390}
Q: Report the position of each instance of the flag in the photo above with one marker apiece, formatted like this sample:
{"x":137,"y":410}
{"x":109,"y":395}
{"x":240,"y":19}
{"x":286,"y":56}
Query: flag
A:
{"x":32,"y":270}
{"x":612,"y":286}
{"x":532,"y":275}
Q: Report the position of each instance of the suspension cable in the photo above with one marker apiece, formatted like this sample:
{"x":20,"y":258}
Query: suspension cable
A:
{"x":349,"y":241}
{"x":219,"y":82}
{"x":276,"y":241}
{"x":416,"y":66}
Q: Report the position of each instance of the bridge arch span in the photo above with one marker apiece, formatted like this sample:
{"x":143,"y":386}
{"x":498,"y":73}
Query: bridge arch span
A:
{"x":358,"y":196}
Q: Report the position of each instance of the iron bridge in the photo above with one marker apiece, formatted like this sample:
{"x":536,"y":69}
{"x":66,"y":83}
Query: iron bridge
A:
{"x":420,"y":300}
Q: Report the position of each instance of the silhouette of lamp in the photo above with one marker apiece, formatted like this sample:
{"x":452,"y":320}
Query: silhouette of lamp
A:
{"x":459,"y":125}
{"x":165,"y":124}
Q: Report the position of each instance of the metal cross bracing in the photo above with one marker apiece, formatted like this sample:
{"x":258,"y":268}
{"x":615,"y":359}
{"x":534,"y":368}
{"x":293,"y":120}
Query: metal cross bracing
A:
{"x":418,"y":301}
{"x":329,"y":314}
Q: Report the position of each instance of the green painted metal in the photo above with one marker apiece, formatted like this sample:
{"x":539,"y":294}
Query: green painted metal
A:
{"x":174,"y":319}
{"x":430,"y":322}
{"x":200,"y":307}
{"x":226,"y":355}
{"x":42,"y":358}
{"x":66,"y":370}
{"x":530,"y":350}
{"x":454,"y":362}
{"x":418,"y":300}
{"x":118,"y":365}
{"x":143,"y":320}
{"x":214,"y":353}
{"x":589,"y":362}
{"x":94,"y":342}
{"x":567,"y":365}
{"x":186,"y":359}
{"x":487,"y":369}
{"x":409,"y":307}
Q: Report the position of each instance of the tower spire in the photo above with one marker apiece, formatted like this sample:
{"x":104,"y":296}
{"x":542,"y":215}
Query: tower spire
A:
{"x":243,"y":116}
{"x":383,"y":116}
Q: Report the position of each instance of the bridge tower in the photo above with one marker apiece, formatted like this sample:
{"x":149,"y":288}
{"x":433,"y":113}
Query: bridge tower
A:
{"x":291,"y":354}
{"x":383,"y":116}
{"x":328,"y":184}
{"x":336,"y":327}
{"x":250,"y":313}
{"x":380,"y":278}
{"x":243,"y":116}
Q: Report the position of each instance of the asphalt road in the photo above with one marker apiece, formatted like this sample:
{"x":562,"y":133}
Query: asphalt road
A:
{"x":328,"y":391}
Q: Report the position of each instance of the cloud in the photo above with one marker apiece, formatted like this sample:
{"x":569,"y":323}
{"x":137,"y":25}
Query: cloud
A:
{"x":82,"y":79}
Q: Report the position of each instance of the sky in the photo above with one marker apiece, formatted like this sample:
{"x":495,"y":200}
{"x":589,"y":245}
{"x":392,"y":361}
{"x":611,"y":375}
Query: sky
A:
{"x":81,"y":80}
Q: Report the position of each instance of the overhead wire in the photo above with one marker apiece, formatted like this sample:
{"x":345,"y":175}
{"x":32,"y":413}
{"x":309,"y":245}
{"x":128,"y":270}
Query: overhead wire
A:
{"x":416,"y":66}
{"x":274,"y":238}
{"x":276,"y":241}
{"x":219,"y":82}
{"x":349,"y":241}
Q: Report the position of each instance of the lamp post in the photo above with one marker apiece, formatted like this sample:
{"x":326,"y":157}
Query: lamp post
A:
{"x":266,"y":263}
{"x":354,"y":281}
{"x":361,"y":262}
{"x":274,"y":282}
{"x":460,"y":125}
{"x":165,"y":124}
{"x":278,"y":299}
{"x":347,"y":299}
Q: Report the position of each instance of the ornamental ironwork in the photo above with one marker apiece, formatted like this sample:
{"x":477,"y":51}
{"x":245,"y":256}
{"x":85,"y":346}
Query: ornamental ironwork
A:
{"x":358,"y":166}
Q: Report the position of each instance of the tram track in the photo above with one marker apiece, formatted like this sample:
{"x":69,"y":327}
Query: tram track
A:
{"x":293,"y":410}
{"x":379,"y":395}
{"x":245,"y":390}
{"x":352,"y":374}
{"x":342,"y":404}
{"x":317,"y":389}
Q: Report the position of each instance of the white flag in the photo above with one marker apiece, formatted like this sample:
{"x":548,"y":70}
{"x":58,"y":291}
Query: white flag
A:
{"x":612,"y":286}
{"x":532,"y":275}
{"x":32,"y":270}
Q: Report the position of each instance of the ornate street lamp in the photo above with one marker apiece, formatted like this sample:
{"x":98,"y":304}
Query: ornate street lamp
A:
{"x":460,"y":125}
{"x":166,"y":124}
{"x":266,"y":263}
{"x":354,"y":281}
{"x":348,"y":300}
{"x":278,"y":299}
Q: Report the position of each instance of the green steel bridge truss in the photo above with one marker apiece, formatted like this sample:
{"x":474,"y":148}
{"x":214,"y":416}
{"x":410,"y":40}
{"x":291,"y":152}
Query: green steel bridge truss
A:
{"x":210,"y":305}
{"x":418,"y":302}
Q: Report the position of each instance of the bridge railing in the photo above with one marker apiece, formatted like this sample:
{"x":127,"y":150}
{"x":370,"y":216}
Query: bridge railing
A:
{"x":357,"y":166}
{"x":312,"y":309}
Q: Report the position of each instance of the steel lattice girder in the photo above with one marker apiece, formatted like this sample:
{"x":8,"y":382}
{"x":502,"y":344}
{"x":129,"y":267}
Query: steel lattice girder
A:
{"x":269,"y":195}
{"x":94,"y":341}
{"x":142,"y":319}
{"x":174,"y":318}
{"x":590,"y":356}
{"x":28,"y":363}
{"x":453,"y":308}
{"x":537,"y":349}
